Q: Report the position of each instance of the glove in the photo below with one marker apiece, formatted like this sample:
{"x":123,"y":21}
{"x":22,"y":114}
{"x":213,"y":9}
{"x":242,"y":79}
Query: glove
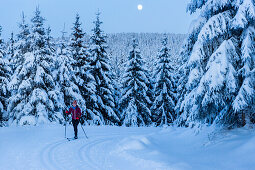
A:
{"x":77,"y":118}
{"x":66,"y":111}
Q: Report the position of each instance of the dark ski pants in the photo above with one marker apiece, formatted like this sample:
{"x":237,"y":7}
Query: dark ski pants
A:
{"x":75,"y":125}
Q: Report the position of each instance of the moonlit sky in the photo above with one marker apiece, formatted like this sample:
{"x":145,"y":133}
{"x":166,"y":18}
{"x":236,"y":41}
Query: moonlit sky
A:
{"x":118,"y":15}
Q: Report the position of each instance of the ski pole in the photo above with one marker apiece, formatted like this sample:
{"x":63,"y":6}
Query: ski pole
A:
{"x":65,"y":126}
{"x":83,"y":130}
{"x":65,"y":121}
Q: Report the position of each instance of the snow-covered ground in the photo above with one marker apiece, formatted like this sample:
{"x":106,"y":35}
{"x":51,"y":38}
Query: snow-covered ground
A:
{"x":119,"y":148}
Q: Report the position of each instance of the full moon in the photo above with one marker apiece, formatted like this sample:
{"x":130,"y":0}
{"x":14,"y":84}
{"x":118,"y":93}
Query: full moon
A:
{"x":140,"y":7}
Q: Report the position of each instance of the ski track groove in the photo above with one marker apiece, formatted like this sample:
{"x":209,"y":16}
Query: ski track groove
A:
{"x":47,"y":155}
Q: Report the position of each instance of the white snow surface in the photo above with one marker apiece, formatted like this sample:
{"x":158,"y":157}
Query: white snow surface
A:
{"x":114,"y":148}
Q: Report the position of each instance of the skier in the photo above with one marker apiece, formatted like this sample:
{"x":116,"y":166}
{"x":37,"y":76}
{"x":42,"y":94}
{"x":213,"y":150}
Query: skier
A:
{"x":76,"y":114}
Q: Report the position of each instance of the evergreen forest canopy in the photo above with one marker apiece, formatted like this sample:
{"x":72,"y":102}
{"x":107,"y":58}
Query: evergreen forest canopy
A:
{"x":130,"y":79}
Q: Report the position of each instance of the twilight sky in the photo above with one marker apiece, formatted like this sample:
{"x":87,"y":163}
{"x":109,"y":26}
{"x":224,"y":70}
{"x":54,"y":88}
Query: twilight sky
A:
{"x":118,"y":15}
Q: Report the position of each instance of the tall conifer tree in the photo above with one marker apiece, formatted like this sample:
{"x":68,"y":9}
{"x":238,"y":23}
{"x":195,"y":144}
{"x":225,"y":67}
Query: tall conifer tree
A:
{"x":134,"y":102}
{"x":165,"y":94}
{"x":218,"y":73}
{"x":102,"y":76}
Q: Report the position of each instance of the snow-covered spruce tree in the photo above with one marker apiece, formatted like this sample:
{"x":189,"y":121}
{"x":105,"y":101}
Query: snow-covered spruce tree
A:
{"x":4,"y":80}
{"x":34,"y":97}
{"x":163,"y":108}
{"x":218,"y":73}
{"x":83,"y":73}
{"x":134,"y":101}
{"x":65,"y":77}
{"x":21,"y":47}
{"x":102,"y":76}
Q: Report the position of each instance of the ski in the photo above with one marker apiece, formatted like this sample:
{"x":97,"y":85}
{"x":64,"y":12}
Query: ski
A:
{"x":70,"y":139}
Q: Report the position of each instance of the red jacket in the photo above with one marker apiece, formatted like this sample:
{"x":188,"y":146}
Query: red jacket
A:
{"x":76,"y":113}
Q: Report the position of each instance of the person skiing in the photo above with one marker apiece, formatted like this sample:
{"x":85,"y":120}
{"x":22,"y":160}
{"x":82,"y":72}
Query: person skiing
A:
{"x":76,"y":114}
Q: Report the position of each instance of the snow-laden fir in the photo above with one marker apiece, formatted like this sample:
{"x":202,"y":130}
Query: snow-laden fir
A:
{"x":217,"y":84}
{"x":165,"y":91}
{"x":135,"y":101}
{"x":101,"y":72}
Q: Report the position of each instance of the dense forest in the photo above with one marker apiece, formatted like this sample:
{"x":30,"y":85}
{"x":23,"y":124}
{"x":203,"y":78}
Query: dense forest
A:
{"x":131,"y":79}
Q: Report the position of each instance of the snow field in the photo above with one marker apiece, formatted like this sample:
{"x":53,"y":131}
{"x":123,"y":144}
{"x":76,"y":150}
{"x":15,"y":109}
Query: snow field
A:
{"x":114,"y":148}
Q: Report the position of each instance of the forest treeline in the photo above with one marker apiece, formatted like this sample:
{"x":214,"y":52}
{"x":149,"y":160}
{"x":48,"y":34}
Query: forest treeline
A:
{"x":211,"y":80}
